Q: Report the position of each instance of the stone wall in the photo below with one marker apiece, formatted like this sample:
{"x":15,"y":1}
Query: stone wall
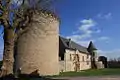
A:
{"x":99,"y":64}
{"x":85,"y":61}
{"x":68,"y":63}
{"x":38,"y":46}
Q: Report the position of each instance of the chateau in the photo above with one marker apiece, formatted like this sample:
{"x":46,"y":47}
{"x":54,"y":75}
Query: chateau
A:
{"x":41,"y":50}
{"x":74,"y":57}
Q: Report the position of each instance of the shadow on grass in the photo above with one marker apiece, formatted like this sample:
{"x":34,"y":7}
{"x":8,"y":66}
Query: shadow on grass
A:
{"x":27,"y":77}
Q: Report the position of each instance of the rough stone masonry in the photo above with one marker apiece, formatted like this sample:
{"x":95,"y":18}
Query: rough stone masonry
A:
{"x":38,"y":47}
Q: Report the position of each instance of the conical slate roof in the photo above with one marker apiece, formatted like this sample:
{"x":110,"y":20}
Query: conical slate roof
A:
{"x":91,"y":46}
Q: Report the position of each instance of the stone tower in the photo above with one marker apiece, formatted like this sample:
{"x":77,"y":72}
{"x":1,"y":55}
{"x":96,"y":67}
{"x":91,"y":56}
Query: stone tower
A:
{"x":37,"y":47}
{"x":92,"y":50}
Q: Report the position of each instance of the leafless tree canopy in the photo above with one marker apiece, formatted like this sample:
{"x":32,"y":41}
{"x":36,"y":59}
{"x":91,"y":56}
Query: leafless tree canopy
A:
{"x":14,"y":15}
{"x":18,"y":9}
{"x":17,"y":13}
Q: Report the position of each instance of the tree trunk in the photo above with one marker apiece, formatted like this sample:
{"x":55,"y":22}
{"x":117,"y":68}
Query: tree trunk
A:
{"x":8,"y":55}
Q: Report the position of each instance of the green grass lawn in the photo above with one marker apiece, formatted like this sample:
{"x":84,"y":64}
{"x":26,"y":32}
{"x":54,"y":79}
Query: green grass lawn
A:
{"x":86,"y":73}
{"x":95,"y":72}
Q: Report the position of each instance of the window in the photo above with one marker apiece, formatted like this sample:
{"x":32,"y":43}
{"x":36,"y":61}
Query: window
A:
{"x":87,"y":62}
{"x":87,"y":56}
{"x":82,"y":58}
{"x":70,"y":57}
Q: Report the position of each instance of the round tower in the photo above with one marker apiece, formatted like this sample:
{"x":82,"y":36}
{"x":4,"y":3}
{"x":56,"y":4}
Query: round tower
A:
{"x":38,"y":46}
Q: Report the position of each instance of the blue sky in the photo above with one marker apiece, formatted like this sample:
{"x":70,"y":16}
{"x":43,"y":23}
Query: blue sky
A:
{"x":86,"y":20}
{"x":96,"y":20}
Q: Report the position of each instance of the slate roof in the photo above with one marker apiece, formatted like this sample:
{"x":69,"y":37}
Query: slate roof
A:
{"x":69,"y":44}
{"x":91,"y":46}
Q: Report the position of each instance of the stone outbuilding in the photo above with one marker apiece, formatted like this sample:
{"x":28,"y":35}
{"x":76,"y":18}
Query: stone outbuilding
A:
{"x":72,"y":56}
{"x":75,"y":57}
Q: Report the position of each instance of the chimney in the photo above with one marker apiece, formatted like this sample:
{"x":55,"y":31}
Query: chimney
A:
{"x":69,"y":42}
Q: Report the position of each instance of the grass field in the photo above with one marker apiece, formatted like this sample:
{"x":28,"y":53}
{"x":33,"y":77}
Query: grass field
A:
{"x":96,"y":72}
{"x":86,"y":73}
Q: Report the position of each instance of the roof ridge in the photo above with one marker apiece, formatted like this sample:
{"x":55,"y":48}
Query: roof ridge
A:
{"x":74,"y":45}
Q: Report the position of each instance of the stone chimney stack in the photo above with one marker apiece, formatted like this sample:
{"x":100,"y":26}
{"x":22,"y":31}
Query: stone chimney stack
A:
{"x":69,"y":42}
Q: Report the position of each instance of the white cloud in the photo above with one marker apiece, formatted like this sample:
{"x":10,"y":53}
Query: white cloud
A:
{"x":115,"y":53}
{"x":105,"y":16}
{"x":86,"y":30}
{"x":78,"y":39}
{"x":103,"y":38}
{"x":86,"y":25}
{"x":85,"y":42}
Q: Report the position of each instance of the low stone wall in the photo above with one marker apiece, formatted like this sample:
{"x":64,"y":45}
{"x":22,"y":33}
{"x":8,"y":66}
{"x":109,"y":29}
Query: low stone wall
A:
{"x":99,"y":65}
{"x":84,"y":65}
{"x":66,"y":66}
{"x":62,"y":66}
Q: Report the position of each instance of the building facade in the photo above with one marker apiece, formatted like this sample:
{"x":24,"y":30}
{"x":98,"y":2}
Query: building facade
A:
{"x":74,"y":57}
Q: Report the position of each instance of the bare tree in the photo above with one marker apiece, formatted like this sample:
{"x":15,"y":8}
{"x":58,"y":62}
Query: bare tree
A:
{"x":14,"y":16}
